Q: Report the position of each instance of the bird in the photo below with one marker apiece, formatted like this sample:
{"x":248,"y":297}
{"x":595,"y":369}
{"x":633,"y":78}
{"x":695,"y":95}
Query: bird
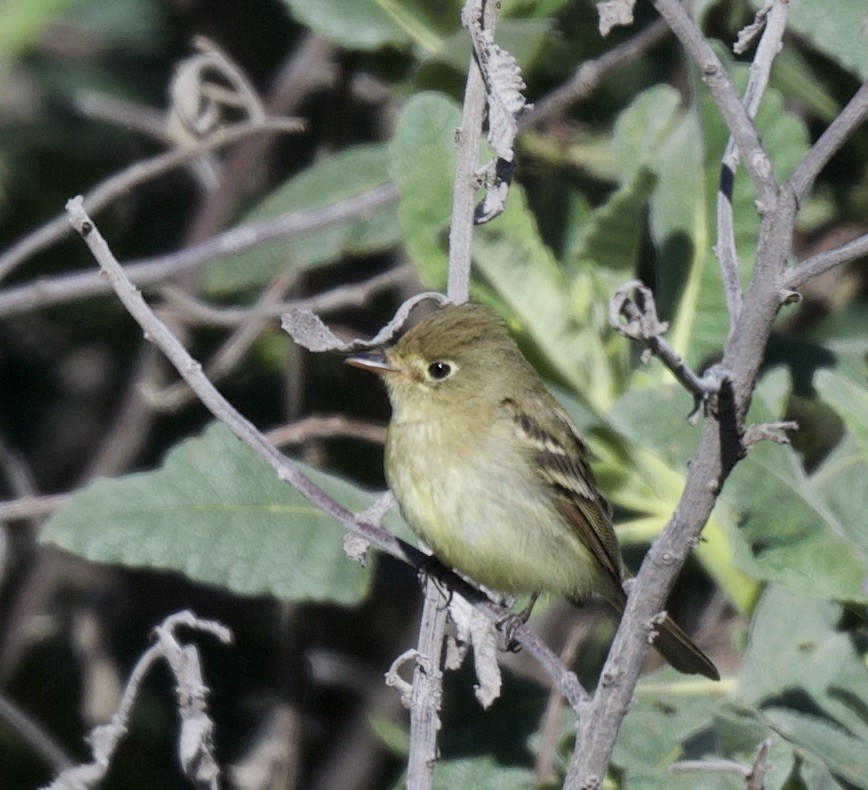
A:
{"x":491,"y":473}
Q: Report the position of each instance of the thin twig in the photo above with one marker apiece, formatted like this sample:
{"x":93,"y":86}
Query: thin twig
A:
{"x":769,"y":46}
{"x":294,"y":80}
{"x":29,"y":507}
{"x":723,"y":92}
{"x":711,"y":766}
{"x":191,"y":371}
{"x":468,"y":137}
{"x":32,"y":733}
{"x":551,"y":720}
{"x":196,"y":312}
{"x":826,"y":260}
{"x":587,"y":77}
{"x":150,"y":271}
{"x":138,"y":173}
{"x":230,"y":353}
{"x":325,"y":426}
{"x":195,"y":746}
{"x":644,"y":327}
{"x":836,"y":134}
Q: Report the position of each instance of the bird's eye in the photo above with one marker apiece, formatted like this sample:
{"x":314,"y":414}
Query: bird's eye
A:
{"x":439,"y":370}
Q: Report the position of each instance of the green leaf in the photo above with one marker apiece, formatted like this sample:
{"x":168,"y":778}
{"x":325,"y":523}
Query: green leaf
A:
{"x":841,"y":752}
{"x":422,"y":165}
{"x":343,"y":175}
{"x":662,"y":717}
{"x":794,"y":645}
{"x":850,"y":400}
{"x":217,"y":513}
{"x":522,"y":271}
{"x":792,"y":520}
{"x":643,"y":127}
{"x":683,"y":208}
{"x":481,"y":773}
{"x":367,"y":24}
{"x":840,"y":35}
{"x":652,"y":476}
{"x":613,"y":236}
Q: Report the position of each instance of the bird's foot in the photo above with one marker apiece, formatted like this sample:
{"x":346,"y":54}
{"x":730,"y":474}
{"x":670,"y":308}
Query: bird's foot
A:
{"x":512,"y":622}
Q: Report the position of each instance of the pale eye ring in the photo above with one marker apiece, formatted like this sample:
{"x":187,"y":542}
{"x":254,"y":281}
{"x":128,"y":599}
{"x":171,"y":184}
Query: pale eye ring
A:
{"x":439,"y":370}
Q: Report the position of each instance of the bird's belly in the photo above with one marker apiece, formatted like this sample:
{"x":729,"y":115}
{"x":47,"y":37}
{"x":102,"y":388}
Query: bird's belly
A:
{"x":492,"y":523}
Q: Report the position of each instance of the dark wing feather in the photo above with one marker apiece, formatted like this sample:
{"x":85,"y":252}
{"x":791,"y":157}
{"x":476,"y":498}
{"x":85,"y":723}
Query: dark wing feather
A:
{"x":560,"y":458}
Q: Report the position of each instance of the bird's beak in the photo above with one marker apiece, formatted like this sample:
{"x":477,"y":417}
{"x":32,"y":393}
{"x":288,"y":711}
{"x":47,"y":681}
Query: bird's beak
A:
{"x":374,"y":361}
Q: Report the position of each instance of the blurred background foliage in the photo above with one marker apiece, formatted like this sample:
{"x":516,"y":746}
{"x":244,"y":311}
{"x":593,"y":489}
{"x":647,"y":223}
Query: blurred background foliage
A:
{"x":172,"y":513}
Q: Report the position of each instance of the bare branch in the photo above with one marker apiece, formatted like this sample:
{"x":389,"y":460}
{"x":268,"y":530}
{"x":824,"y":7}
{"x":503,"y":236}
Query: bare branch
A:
{"x":32,"y":733}
{"x":138,"y":173}
{"x":31,"y":506}
{"x":824,"y":261}
{"x":191,"y":371}
{"x":775,"y":22}
{"x":427,"y":691}
{"x":587,"y":77}
{"x":644,"y":327}
{"x":195,"y":742}
{"x":768,"y":432}
{"x":756,"y":778}
{"x":326,"y":426}
{"x":230,"y":353}
{"x":734,"y":113}
{"x":837,"y":133}
{"x":150,"y":271}
{"x":196,"y":312}
{"x":467,"y":139}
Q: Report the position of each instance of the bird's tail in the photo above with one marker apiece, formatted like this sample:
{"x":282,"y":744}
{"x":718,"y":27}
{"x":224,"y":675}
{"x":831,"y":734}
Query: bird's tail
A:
{"x":678,"y":649}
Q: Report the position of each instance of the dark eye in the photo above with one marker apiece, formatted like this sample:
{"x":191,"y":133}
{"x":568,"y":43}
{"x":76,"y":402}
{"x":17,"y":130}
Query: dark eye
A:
{"x":439,"y":370}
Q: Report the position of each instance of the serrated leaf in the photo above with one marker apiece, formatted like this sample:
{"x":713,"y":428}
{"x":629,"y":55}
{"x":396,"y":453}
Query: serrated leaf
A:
{"x":343,"y":175}
{"x":422,"y":165}
{"x":217,"y":513}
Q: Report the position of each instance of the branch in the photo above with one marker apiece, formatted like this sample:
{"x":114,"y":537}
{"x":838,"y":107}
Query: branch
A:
{"x":138,"y":173}
{"x":427,"y":690}
{"x":34,"y":735}
{"x":190,"y":310}
{"x":191,"y":371}
{"x":824,"y":261}
{"x":644,"y":327}
{"x":769,"y":46}
{"x":714,"y":75}
{"x":587,"y":77}
{"x":467,"y":138}
{"x":195,"y":741}
{"x":150,"y":271}
{"x":836,"y":134}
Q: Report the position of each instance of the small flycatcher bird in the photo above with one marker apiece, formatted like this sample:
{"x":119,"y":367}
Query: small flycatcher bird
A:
{"x":491,"y":473}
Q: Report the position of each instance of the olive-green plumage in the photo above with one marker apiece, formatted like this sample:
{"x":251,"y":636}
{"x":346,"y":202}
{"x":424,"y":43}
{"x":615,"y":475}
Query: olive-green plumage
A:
{"x":492,"y":474}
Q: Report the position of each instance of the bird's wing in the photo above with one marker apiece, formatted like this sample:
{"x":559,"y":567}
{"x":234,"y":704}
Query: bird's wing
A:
{"x":560,"y":457}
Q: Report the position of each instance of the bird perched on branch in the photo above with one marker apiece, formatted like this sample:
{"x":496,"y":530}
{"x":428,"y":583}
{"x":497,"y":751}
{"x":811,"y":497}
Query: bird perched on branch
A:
{"x":491,"y":473}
